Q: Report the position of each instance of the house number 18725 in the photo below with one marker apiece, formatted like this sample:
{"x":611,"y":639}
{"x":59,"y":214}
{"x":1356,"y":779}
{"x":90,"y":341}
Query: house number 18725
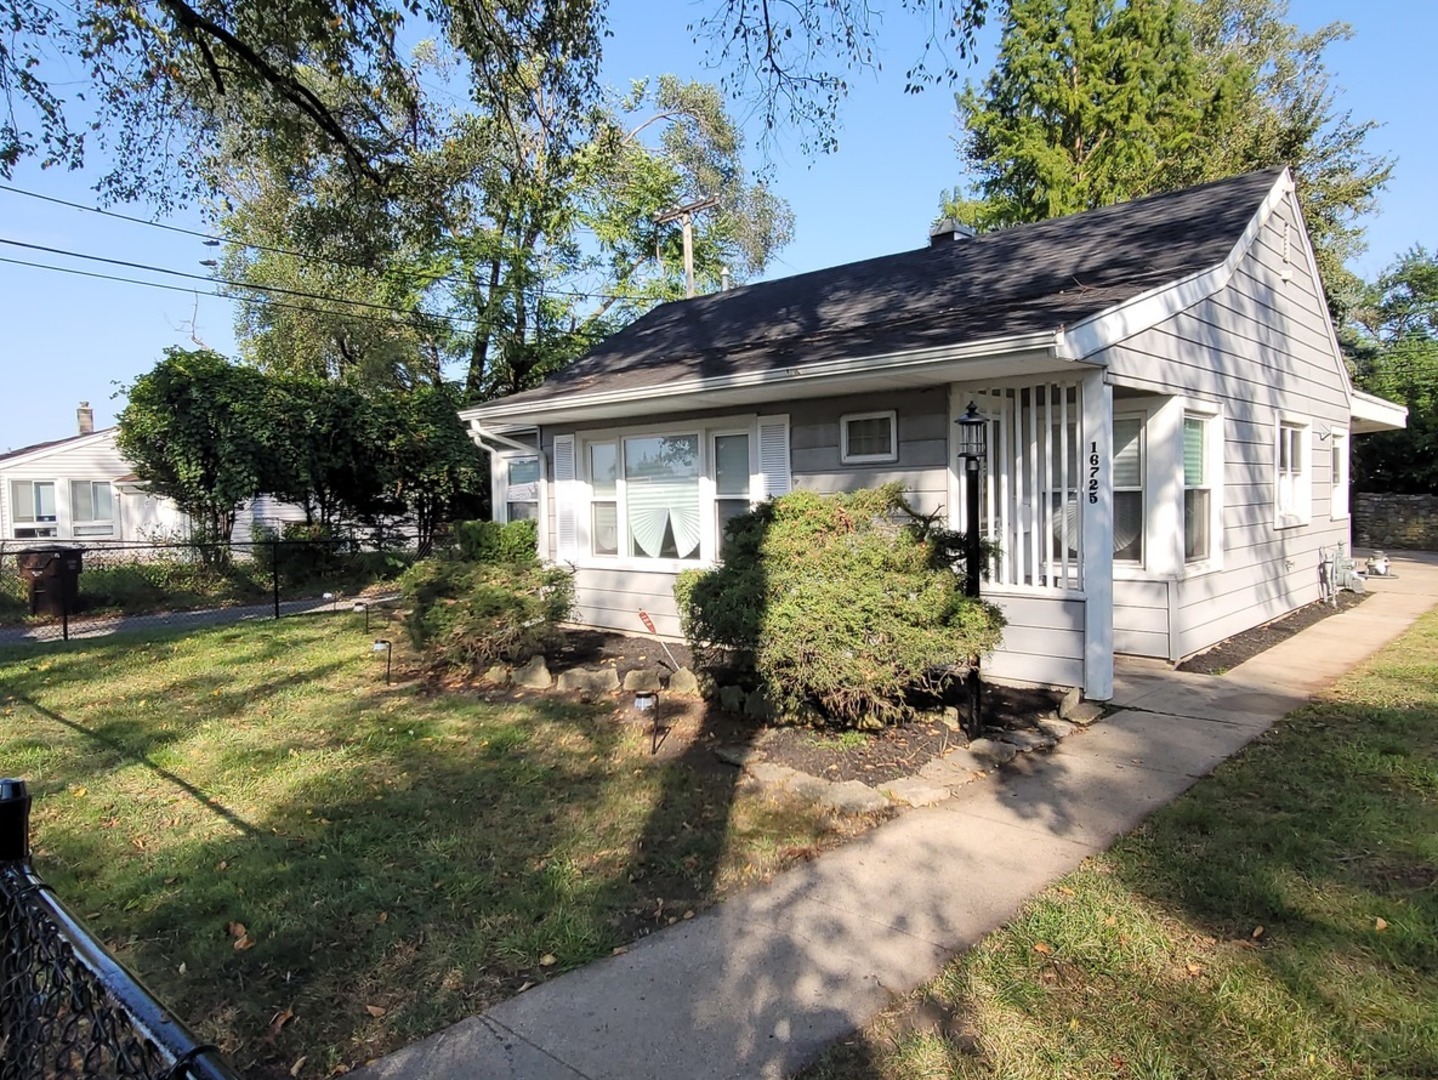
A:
{"x":1093,"y":466}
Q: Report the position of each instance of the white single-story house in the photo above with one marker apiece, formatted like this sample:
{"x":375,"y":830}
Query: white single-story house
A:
{"x":1168,"y":440}
{"x":82,"y":491}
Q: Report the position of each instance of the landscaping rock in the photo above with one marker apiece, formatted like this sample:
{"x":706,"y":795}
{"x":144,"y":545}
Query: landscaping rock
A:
{"x":951,"y":718}
{"x":1070,"y":702}
{"x":1055,"y":728}
{"x":498,"y":675}
{"x":684,"y":681}
{"x":767,"y":772}
{"x":739,"y":755}
{"x":853,"y":797}
{"x":757,"y":707}
{"x":642,"y":679}
{"x":954,"y":769}
{"x":732,"y":698}
{"x":1085,"y":714}
{"x":589,"y":680}
{"x":992,"y":753}
{"x":810,"y":787}
{"x":534,"y":675}
{"x":916,"y":791}
{"x":1027,"y":740}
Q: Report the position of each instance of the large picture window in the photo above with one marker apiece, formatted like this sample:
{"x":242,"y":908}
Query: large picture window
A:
{"x":33,"y":503}
{"x":661,"y":495}
{"x":1128,"y":460}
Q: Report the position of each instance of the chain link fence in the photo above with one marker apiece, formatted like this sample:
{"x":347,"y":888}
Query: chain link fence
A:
{"x":63,"y":592}
{"x":68,"y":1009}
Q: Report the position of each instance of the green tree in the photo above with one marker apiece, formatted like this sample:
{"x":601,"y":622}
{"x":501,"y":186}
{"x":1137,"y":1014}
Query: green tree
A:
{"x":1095,"y":102}
{"x":432,"y":469}
{"x":1395,"y":355}
{"x":1089,"y":104}
{"x":503,"y":251}
{"x":199,"y":431}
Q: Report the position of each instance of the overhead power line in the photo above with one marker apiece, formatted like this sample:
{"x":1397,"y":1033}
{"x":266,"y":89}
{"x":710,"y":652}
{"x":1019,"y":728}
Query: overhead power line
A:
{"x":279,"y":289}
{"x":187,"y":291}
{"x":212,"y":238}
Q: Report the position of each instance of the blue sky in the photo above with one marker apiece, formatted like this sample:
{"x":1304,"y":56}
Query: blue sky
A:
{"x":70,"y":338}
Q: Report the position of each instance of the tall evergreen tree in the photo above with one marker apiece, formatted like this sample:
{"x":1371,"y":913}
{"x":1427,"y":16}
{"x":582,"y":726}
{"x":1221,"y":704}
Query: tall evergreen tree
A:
{"x":1094,"y":102}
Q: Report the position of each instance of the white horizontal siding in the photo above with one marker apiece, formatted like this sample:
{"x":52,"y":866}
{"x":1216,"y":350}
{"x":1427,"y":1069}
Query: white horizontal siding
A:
{"x":1140,"y":618}
{"x":1043,"y":642}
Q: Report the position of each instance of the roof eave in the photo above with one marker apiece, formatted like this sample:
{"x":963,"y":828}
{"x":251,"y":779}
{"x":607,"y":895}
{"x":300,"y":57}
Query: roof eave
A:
{"x":1372,"y":413}
{"x":773,"y":383}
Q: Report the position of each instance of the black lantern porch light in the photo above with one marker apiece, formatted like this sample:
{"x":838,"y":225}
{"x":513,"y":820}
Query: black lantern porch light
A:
{"x":973,"y":449}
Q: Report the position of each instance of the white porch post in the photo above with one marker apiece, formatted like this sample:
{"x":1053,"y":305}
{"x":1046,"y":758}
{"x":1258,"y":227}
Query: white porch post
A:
{"x":1096,"y":501}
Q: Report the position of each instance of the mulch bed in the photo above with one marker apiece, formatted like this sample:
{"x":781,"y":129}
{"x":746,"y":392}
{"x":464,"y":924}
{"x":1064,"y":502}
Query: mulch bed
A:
{"x":903,"y":749}
{"x":1235,"y":650}
{"x":601,"y":648}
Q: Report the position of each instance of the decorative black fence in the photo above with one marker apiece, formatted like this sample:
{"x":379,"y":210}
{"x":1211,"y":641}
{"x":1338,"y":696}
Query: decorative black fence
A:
{"x":51,"y":592}
{"x":68,"y":1009}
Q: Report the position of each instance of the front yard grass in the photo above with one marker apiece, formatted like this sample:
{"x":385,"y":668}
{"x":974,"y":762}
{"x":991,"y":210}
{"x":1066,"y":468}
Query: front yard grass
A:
{"x":1279,"y":920}
{"x":306,"y":863}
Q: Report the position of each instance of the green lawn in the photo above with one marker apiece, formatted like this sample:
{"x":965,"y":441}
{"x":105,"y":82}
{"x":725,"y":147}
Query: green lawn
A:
{"x":1279,"y":920}
{"x":307,"y":863}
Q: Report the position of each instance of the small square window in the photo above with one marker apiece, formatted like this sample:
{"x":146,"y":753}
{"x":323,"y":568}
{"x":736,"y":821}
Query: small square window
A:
{"x":869,"y":437}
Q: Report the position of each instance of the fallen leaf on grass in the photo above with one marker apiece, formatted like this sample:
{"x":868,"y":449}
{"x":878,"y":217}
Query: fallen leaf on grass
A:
{"x":548,"y":960}
{"x":297,"y":1066}
{"x":183,"y":967}
{"x":689,"y":915}
{"x":1111,"y":921}
{"x":382,"y":917}
{"x":1042,"y":947}
{"x":80,"y":792}
{"x":279,"y":1020}
{"x":1257,"y":933}
{"x":376,"y":1010}
{"x":1380,"y":925}
{"x":619,"y":950}
{"x":1194,"y":969}
{"x":222,"y":865}
{"x":243,"y":943}
{"x":526,"y":986}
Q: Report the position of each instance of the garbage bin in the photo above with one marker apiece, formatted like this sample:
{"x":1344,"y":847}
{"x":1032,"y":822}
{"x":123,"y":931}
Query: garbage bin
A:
{"x":53,"y":576}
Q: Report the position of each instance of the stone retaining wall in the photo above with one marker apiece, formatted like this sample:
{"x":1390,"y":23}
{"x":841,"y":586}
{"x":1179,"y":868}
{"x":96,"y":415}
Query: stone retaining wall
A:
{"x":1395,"y":522}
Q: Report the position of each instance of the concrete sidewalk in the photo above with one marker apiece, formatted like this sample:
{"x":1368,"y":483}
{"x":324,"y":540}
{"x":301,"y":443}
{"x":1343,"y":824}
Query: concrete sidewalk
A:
{"x":759,"y":985}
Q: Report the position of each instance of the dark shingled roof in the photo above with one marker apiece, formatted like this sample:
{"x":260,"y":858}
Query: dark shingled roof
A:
{"x":1026,"y":279}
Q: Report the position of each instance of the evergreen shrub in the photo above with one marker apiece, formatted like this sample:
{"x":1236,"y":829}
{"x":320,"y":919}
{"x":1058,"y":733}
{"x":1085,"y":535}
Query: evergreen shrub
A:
{"x":469,"y":615}
{"x":842,"y":609}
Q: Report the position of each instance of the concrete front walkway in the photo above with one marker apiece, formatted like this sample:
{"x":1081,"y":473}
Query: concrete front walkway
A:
{"x":759,"y":985}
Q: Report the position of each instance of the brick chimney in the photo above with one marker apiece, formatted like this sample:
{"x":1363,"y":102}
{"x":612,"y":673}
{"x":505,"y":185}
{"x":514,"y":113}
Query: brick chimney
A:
{"x":85,"y":418}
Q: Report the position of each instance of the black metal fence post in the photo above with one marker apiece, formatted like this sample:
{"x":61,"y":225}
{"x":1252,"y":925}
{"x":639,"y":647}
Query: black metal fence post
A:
{"x":14,"y":821}
{"x":275,"y":571}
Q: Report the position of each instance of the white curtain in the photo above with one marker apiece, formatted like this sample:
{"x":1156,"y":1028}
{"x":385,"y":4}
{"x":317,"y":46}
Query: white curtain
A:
{"x":656,"y":503}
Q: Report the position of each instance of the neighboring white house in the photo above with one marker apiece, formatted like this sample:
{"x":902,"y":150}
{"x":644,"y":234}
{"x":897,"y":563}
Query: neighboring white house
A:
{"x":1168,"y":445}
{"x":82,"y":490}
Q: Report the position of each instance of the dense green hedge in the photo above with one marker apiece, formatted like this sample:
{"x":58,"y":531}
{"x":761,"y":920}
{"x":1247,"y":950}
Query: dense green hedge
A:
{"x":491,"y":541}
{"x":840,"y":608}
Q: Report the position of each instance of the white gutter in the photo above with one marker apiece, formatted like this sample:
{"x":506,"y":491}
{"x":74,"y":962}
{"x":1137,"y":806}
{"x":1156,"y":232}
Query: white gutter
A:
{"x":884,"y":363}
{"x":479,"y":435}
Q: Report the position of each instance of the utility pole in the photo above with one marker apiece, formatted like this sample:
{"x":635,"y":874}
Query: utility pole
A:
{"x":685,"y":216}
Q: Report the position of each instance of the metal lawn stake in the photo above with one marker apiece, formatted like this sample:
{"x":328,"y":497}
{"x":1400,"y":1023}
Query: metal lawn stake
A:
{"x":385,"y":646}
{"x":973,"y":448}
